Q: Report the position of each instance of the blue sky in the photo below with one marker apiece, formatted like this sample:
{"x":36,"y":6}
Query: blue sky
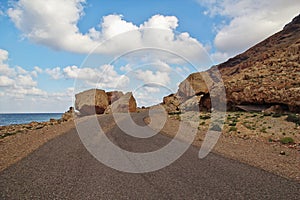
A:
{"x":44,"y":45}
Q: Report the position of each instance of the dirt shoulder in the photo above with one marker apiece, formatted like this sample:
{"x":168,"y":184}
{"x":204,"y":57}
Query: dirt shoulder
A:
{"x":253,"y":145}
{"x":28,"y":137}
{"x":15,"y":147}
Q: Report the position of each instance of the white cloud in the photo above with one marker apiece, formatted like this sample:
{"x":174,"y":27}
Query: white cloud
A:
{"x":38,"y":69}
{"x":25,"y":81}
{"x":104,"y":76}
{"x":114,"y":25}
{"x":3,"y":55}
{"x":20,"y":70}
{"x":126,"y":68}
{"x":250,"y":21}
{"x":160,"y":21}
{"x":5,"y":81}
{"x":151,"y":89}
{"x":55,"y":73}
{"x":4,"y":68}
{"x":19,"y":90}
{"x":156,"y":77}
{"x":55,"y":26}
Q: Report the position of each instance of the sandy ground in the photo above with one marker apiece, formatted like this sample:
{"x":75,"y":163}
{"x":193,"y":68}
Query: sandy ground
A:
{"x":15,"y":147}
{"x":250,"y":148}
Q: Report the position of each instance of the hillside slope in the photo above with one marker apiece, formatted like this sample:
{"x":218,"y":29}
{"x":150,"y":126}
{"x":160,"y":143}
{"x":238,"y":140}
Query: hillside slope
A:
{"x":266,"y":74}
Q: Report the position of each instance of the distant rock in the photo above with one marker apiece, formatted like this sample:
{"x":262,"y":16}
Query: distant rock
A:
{"x":69,"y":115}
{"x":93,"y":101}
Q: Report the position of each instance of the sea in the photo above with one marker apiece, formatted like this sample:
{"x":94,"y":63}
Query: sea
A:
{"x":24,"y":118}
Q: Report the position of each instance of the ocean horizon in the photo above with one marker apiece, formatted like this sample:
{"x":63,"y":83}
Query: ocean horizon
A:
{"x":25,"y":118}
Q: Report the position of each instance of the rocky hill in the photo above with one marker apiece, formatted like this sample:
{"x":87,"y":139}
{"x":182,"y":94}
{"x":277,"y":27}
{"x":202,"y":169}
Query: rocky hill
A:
{"x":266,"y":74}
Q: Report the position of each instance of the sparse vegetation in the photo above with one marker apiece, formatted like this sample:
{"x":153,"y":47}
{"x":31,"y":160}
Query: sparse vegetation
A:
{"x":293,"y":118}
{"x":232,"y":129}
{"x":263,"y":130}
{"x":204,"y":117}
{"x":287,"y":140}
{"x":232,"y":124}
{"x":276,"y":115}
{"x":267,"y":114}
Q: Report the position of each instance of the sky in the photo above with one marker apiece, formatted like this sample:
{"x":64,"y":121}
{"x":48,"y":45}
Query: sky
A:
{"x":51,"y":50}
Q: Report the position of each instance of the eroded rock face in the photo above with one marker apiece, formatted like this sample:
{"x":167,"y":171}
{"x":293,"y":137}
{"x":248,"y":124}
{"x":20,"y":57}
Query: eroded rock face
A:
{"x":191,"y":104}
{"x":114,"y":96}
{"x":124,"y":104}
{"x":91,"y":102}
{"x":266,"y":74}
{"x":194,"y":84}
{"x":171,"y":103}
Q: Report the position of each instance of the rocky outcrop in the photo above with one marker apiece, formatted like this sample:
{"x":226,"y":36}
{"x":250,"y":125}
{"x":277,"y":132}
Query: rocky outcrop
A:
{"x":114,"y":96}
{"x":194,"y":84}
{"x":69,"y":115}
{"x":91,"y":102}
{"x":124,"y":104}
{"x":266,"y":74}
{"x":191,"y":104}
{"x":171,"y":103}
{"x":96,"y":101}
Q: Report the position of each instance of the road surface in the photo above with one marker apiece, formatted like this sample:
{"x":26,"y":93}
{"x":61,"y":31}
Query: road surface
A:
{"x":64,"y":169}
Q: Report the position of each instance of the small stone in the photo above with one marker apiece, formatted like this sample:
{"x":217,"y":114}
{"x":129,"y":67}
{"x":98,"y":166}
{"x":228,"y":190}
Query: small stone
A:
{"x":282,"y":153}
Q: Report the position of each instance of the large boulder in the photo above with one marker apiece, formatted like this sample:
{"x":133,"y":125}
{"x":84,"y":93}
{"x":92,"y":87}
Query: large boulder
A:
{"x":93,"y":101}
{"x":194,"y":84}
{"x":124,"y":104}
{"x":171,"y":103}
{"x":114,"y":96}
{"x":191,"y":104}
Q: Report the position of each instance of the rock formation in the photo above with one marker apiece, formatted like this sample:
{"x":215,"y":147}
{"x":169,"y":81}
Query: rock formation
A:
{"x":125,"y":103}
{"x":96,"y":101}
{"x":93,"y":101}
{"x":69,"y":115}
{"x":266,"y":74}
{"x":114,"y":96}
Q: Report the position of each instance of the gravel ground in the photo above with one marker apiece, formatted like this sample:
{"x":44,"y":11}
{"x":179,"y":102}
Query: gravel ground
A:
{"x":253,"y":150}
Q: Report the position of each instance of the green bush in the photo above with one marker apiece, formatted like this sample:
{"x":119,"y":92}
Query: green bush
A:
{"x":293,"y":118}
{"x":276,"y":115}
{"x":267,"y":114}
{"x":204,"y":117}
{"x":232,"y":129}
{"x":287,"y":140}
{"x":232,"y":124}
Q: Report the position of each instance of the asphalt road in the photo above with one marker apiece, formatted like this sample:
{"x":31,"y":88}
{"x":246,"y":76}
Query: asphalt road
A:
{"x":64,"y":169}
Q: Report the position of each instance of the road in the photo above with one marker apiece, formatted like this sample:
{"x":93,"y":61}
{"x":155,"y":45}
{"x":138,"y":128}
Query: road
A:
{"x":64,"y":169}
